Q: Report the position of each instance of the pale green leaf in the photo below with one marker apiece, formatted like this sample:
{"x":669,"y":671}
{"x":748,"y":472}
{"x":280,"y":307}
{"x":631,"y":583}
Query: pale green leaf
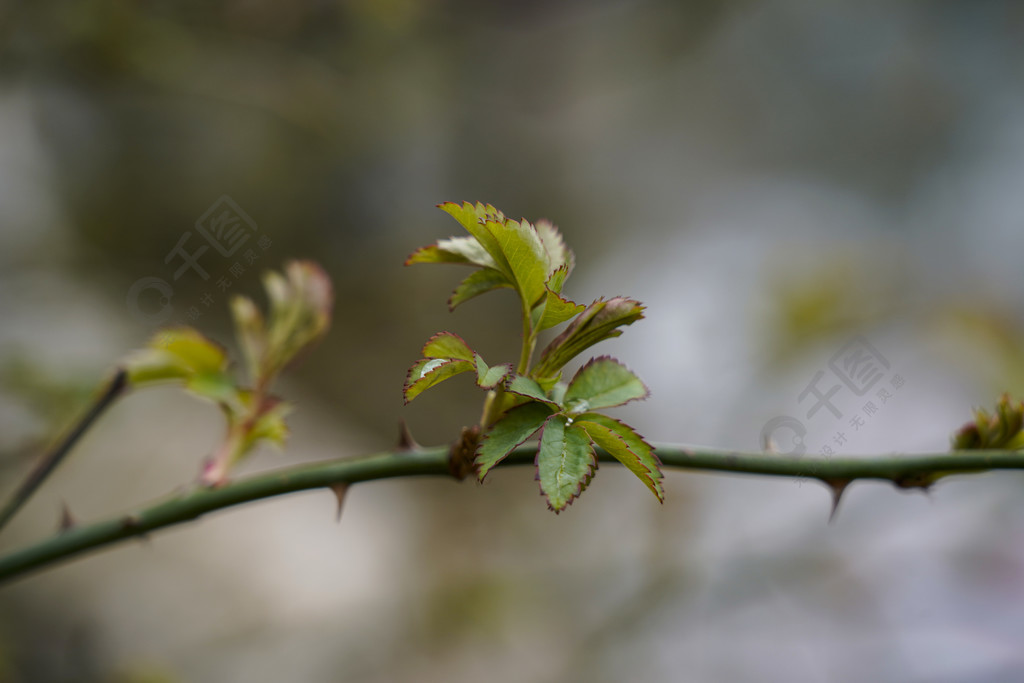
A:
{"x":488,"y":377}
{"x":515,"y":426}
{"x":525,"y":386}
{"x":447,"y":345}
{"x":467,"y":250}
{"x":428,"y":372}
{"x":626,"y":446}
{"x":557,"y":279}
{"x":565,"y":461}
{"x":525,"y":256}
{"x":174,"y":354}
{"x":558,"y":255}
{"x":474,"y":219}
{"x":218,"y":387}
{"x":603,"y":383}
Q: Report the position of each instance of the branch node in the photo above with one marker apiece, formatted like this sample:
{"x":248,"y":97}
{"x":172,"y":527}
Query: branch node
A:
{"x":463,"y":452}
{"x":917,"y":480}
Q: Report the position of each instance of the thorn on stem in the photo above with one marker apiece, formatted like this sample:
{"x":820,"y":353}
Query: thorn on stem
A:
{"x":339,"y":490}
{"x":405,"y":440}
{"x":837,"y":487}
{"x":67,"y":522}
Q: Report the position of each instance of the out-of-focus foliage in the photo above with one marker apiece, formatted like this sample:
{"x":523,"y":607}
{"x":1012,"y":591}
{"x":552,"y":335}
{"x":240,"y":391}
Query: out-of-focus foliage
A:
{"x":300,"y":311}
{"x":1001,"y":429}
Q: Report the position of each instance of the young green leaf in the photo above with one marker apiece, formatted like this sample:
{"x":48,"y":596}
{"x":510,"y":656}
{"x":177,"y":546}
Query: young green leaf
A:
{"x":488,"y":377}
{"x":552,"y":310}
{"x":525,"y":256}
{"x":217,"y":387}
{"x":626,"y":446}
{"x":478,"y":282}
{"x":557,"y":278}
{"x":565,"y":461}
{"x":603,"y":383}
{"x":175,"y":354}
{"x":447,"y":345}
{"x":474,"y":219}
{"x":516,"y":426}
{"x":429,"y":372}
{"x":598,"y":322}
{"x":529,"y":388}
{"x":558,"y":255}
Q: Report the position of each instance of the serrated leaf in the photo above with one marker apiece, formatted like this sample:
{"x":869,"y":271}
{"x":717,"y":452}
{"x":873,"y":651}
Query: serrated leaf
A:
{"x":429,"y":372}
{"x":553,"y":310}
{"x":565,"y":461}
{"x":488,"y":377}
{"x":525,"y":256}
{"x":597,"y":323}
{"x":478,"y":282}
{"x":603,"y":383}
{"x":525,"y":386}
{"x":626,"y":446}
{"x":174,"y":354}
{"x":516,"y":426}
{"x":557,"y":278}
{"x":558,"y":255}
{"x":474,"y":219}
{"x":447,"y":345}
{"x":466,"y":250}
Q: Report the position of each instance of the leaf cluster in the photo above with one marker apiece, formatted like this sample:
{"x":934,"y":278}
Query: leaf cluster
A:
{"x":999,"y":430}
{"x":530,"y":398}
{"x":300,"y":312}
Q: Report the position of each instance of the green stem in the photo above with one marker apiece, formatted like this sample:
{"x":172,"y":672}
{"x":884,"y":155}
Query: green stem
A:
{"x":114,"y":388}
{"x":529,"y":340}
{"x":917,"y":471}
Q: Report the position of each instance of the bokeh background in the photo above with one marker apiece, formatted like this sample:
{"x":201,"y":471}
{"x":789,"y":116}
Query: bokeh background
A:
{"x":771,"y":179}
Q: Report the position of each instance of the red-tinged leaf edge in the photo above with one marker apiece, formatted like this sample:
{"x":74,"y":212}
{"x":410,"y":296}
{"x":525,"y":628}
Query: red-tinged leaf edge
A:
{"x":527,"y":387}
{"x":436,"y":340}
{"x":650,"y":474}
{"x":483,"y":468}
{"x":603,"y":359}
{"x":582,"y":484}
{"x":428,"y":378}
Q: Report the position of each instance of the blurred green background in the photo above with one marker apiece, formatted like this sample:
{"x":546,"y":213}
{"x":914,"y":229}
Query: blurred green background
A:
{"x":771,"y":179}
